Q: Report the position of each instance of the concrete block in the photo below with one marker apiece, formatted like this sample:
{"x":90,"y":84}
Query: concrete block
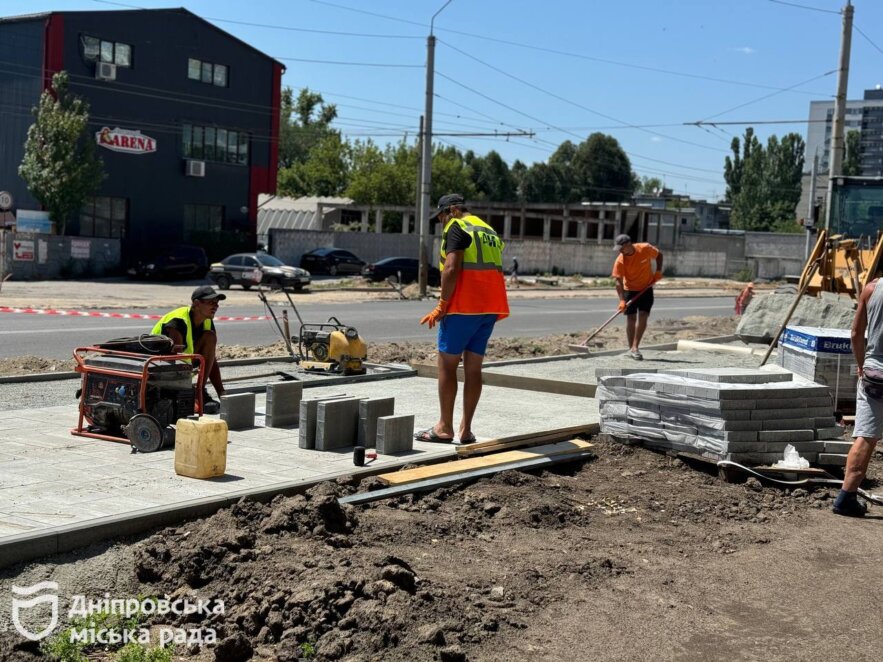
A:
{"x":733,"y":375}
{"x":819,"y":411}
{"x":832,"y":460}
{"x":337,"y":423}
{"x":780,"y":403}
{"x":619,"y":372}
{"x":800,"y":446}
{"x":825,"y":422}
{"x":283,"y":403}
{"x":788,"y":424}
{"x":742,"y":426}
{"x":238,"y":411}
{"x":838,"y":447}
{"x":395,"y":434}
{"x":370,"y":409}
{"x":833,"y":432}
{"x":786,"y":435}
{"x":778,"y":414}
{"x":724,"y":435}
{"x":308,"y":412}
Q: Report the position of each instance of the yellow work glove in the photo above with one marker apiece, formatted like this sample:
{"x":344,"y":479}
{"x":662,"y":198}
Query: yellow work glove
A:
{"x":432,"y":318}
{"x":622,"y":306}
{"x":657,"y":277}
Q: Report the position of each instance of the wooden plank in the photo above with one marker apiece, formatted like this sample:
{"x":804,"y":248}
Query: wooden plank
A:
{"x":453,"y":479}
{"x":531,"y":438}
{"x":433,"y":471}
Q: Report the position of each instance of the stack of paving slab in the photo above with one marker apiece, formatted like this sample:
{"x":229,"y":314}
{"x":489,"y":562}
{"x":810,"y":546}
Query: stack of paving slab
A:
{"x":822,"y":355}
{"x":744,"y":415}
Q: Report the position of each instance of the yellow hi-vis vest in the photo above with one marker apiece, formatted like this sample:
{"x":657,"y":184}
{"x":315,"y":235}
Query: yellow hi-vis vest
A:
{"x":481,"y":288}
{"x":181,"y":314}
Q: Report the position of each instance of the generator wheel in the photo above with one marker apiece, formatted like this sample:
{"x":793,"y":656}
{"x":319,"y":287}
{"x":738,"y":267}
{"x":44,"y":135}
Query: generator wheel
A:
{"x":144,"y":433}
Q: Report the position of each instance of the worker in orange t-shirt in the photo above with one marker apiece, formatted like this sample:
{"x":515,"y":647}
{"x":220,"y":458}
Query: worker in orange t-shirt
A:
{"x":633,"y":275}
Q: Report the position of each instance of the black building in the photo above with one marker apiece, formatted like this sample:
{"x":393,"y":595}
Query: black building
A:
{"x":185,"y":116}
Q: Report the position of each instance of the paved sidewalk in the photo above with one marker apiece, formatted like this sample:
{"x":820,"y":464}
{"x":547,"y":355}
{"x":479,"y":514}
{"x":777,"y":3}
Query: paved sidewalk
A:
{"x":51,"y":479}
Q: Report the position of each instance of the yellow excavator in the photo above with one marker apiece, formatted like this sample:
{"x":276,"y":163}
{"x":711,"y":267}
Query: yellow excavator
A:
{"x":838,"y":264}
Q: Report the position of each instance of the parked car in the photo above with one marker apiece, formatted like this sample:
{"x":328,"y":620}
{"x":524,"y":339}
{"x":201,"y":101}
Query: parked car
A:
{"x":177,"y":262}
{"x":408,"y":267}
{"x":332,"y":261}
{"x":241,"y":268}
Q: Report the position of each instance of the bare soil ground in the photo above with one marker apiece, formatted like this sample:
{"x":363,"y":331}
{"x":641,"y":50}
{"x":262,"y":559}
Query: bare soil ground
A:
{"x":631,"y":556}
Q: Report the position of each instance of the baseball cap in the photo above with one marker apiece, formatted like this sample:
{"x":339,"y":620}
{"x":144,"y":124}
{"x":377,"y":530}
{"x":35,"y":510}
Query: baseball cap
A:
{"x":206,"y":293}
{"x":446,"y":201}
{"x":621,"y":240}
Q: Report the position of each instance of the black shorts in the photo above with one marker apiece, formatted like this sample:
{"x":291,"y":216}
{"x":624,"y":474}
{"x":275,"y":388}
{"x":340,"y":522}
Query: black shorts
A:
{"x":644,"y":304}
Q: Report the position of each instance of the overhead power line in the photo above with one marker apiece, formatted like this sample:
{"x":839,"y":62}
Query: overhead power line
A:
{"x":798,"y":6}
{"x":867,"y":38}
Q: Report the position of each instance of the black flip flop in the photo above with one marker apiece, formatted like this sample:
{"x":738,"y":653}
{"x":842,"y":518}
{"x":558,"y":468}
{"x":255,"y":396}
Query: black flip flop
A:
{"x":430,"y":435}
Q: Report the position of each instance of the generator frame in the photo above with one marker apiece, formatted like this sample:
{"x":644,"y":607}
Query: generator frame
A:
{"x":80,"y":354}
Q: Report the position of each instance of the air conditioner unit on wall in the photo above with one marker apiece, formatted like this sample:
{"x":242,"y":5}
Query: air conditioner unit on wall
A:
{"x":105,"y":71}
{"x":195,"y":168}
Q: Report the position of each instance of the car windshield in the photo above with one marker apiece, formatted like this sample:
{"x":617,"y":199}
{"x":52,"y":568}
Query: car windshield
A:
{"x":270,"y":261}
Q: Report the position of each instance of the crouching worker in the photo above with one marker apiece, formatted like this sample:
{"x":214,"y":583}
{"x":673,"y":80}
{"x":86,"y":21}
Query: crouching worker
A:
{"x":193,"y":332}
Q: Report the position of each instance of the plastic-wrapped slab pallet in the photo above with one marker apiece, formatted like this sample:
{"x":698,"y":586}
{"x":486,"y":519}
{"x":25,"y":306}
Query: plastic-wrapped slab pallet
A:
{"x":734,"y":413}
{"x":823,"y":355}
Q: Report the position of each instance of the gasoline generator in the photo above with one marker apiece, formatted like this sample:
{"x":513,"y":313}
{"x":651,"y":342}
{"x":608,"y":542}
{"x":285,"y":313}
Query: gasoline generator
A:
{"x":331,"y":347}
{"x":136,"y":397}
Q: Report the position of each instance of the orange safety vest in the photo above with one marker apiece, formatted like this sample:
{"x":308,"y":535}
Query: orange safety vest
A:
{"x":481,"y":287}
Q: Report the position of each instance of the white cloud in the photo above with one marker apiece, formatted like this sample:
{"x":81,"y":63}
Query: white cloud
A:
{"x":745,"y":50}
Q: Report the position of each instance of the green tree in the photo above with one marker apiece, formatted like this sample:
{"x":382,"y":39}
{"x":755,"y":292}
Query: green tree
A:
{"x":519,"y":171}
{"x":305,"y":122}
{"x":602,"y":170}
{"x":492,"y":178}
{"x":325,"y":172}
{"x":763,"y":183}
{"x":852,"y":164}
{"x":649,"y":185}
{"x":60,"y":166}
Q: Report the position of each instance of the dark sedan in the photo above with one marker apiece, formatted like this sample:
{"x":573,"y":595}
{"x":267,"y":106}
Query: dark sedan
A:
{"x":332,"y":261}
{"x":247,"y":269}
{"x":177,"y":262}
{"x":406,"y":268}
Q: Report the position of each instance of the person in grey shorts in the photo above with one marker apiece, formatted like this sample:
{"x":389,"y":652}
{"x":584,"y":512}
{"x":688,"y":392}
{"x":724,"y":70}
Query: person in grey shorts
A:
{"x":868,"y":408}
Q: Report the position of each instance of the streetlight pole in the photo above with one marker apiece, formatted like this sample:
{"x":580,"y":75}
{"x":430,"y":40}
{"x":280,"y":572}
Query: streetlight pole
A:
{"x":426,"y":157}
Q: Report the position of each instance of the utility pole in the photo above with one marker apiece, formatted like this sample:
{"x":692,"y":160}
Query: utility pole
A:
{"x":810,"y":220}
{"x":837,"y":132}
{"x":422,"y":270}
{"x":426,"y":165}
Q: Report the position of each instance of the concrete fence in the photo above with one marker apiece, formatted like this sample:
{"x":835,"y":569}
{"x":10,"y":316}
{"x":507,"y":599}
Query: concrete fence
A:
{"x":32,"y":256}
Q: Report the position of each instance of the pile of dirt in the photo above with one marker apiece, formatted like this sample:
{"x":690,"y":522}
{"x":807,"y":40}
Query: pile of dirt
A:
{"x":457,"y":573}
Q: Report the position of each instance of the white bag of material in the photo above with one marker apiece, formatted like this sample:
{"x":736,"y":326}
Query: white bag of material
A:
{"x":792,"y":460}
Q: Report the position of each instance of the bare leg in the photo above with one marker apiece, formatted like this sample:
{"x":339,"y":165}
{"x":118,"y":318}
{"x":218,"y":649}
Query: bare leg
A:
{"x":630,"y":330}
{"x":640,"y":328}
{"x":857,"y":463}
{"x":206,"y":347}
{"x":471,"y":391}
{"x":447,"y":393}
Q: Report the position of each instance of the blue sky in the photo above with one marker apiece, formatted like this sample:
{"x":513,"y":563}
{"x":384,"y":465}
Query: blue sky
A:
{"x":560,"y":68}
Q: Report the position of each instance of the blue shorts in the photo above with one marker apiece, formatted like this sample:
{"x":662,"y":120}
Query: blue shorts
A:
{"x":459,"y":333}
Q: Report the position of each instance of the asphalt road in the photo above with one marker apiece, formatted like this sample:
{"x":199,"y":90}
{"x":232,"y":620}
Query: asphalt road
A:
{"x":380,"y":321}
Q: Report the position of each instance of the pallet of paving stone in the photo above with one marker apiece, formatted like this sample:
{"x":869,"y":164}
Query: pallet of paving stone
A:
{"x":576,"y":446}
{"x":523,"y":440}
{"x":823,"y":355}
{"x":744,"y":415}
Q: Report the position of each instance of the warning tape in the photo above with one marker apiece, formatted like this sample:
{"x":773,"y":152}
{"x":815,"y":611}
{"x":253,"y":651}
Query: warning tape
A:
{"x":125,"y":316}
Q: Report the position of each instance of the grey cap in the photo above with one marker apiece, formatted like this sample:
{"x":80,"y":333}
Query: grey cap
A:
{"x":621,"y":240}
{"x":446,"y":201}
{"x":207,"y":293}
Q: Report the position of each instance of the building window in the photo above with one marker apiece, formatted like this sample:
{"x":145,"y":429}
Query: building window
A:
{"x":114,"y":52}
{"x":104,"y":217}
{"x":207,"y":72}
{"x":203,"y":218}
{"x":215,"y":144}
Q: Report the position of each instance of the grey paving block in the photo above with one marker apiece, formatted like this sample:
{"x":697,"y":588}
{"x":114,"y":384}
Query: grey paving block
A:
{"x":778,"y":402}
{"x":786,"y":435}
{"x":337,"y":423}
{"x":733,"y":375}
{"x":832,"y":460}
{"x":788,"y":424}
{"x":778,"y":414}
{"x":825,"y":422}
{"x":800,"y":446}
{"x":370,"y":409}
{"x":834,"y":432}
{"x":395,"y":434}
{"x":308,"y":412}
{"x":238,"y":410}
{"x":619,"y":372}
{"x":724,"y":435}
{"x":283,"y":404}
{"x":839,"y":447}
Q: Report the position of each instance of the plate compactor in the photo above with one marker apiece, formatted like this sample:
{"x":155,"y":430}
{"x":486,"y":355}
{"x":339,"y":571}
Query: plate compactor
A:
{"x":330,"y":347}
{"x":134,"y":390}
